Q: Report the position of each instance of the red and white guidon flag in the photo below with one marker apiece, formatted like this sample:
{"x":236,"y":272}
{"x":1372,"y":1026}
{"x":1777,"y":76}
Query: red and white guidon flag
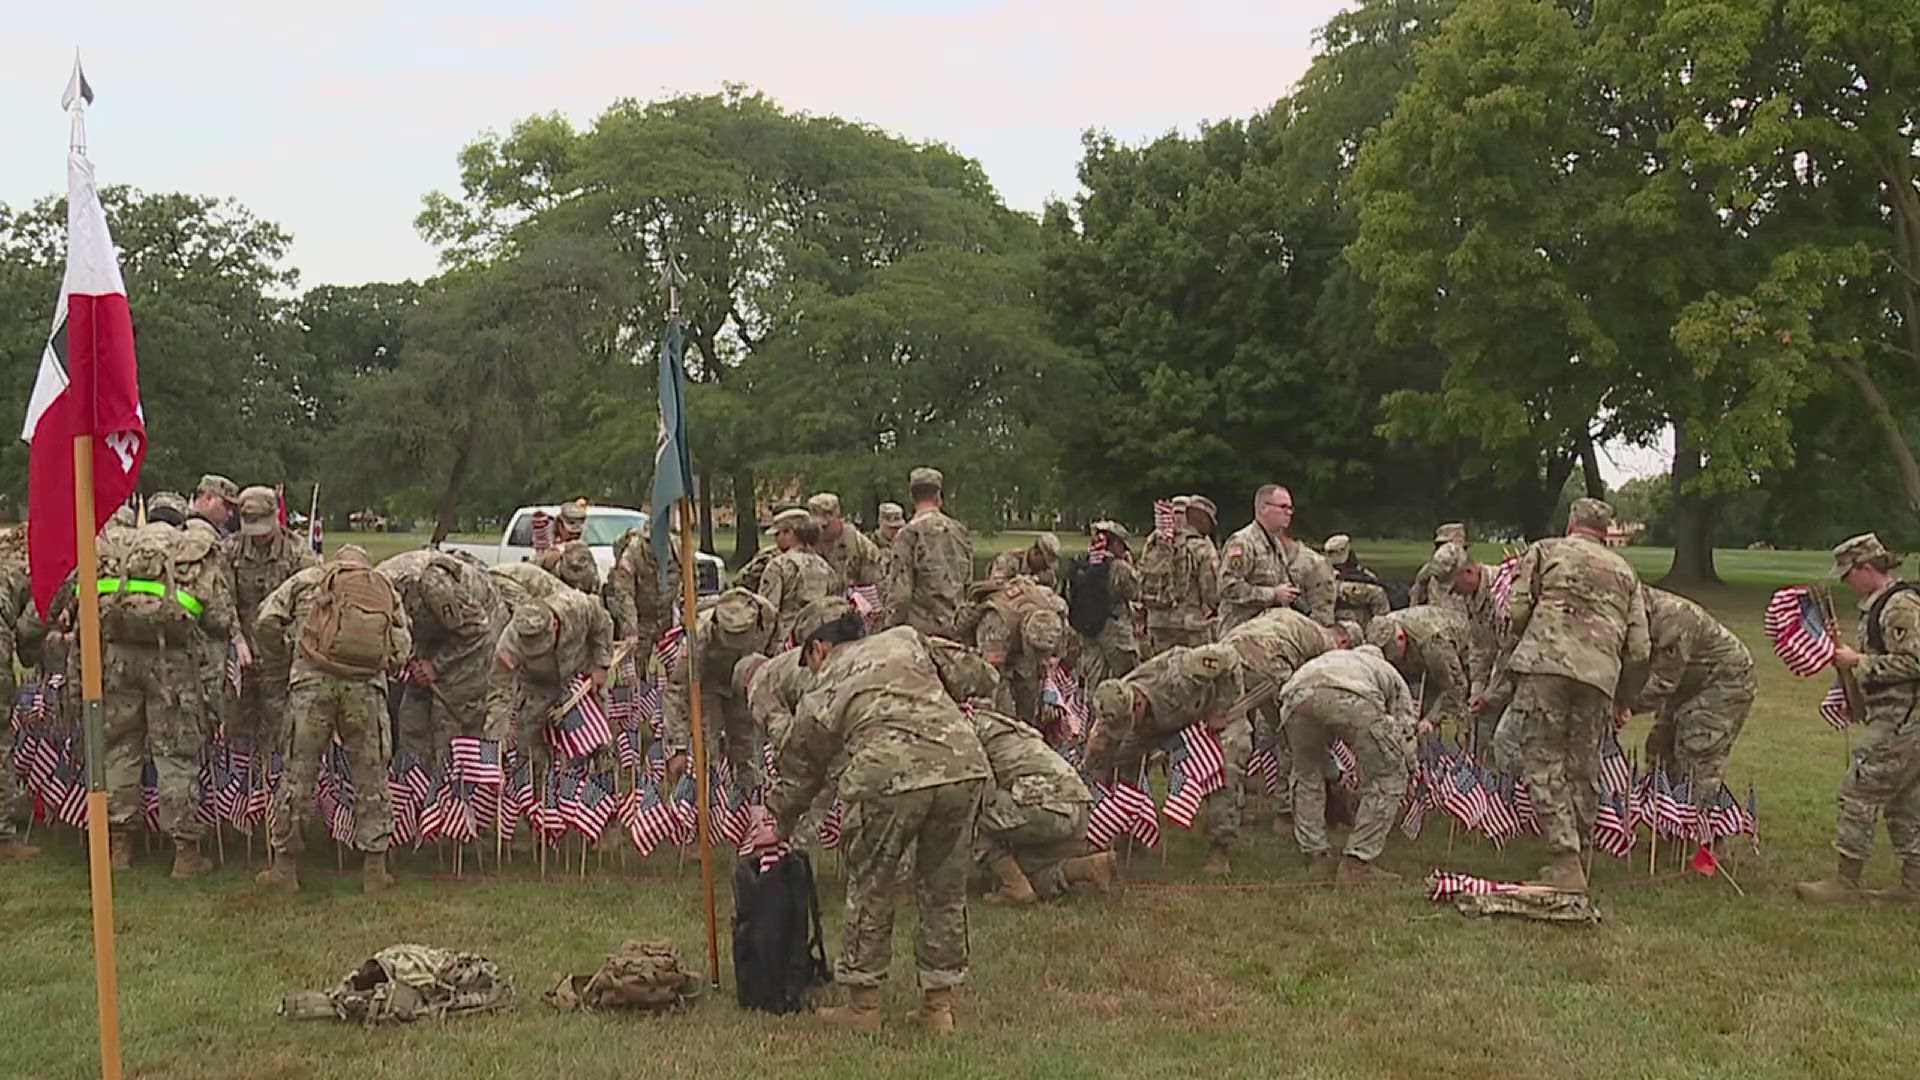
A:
{"x":88,"y":383}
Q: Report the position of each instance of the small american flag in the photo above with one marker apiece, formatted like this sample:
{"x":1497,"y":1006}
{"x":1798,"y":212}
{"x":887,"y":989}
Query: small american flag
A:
{"x":233,"y":667}
{"x":1444,"y":885}
{"x":629,"y":744}
{"x":71,"y":807}
{"x":1523,"y":807}
{"x":542,"y":531}
{"x":584,"y":729}
{"x":1611,"y":832}
{"x":1108,"y":818}
{"x":647,"y":706}
{"x":1798,"y":630}
{"x":477,"y":761}
{"x":1348,"y":764}
{"x":829,"y":833}
{"x":1616,"y":775}
{"x":1834,"y":709}
{"x":649,"y":819}
{"x":1501,"y":591}
{"x":1416,"y":813}
{"x":1265,"y":764}
{"x":594,"y":805}
{"x":1166,"y":519}
{"x":150,"y":795}
{"x":1196,"y":768}
{"x":1461,"y":796}
{"x":1499,"y":822}
{"x":406,"y":807}
{"x":1672,"y":816}
{"x":865,"y":600}
{"x":1060,"y":689}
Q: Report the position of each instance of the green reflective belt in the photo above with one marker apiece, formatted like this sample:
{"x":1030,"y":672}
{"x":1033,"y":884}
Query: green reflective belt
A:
{"x":187,"y":600}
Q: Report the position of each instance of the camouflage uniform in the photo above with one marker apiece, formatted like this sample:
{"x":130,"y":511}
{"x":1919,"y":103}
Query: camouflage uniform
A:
{"x":1036,"y":810}
{"x":853,"y":557}
{"x":739,"y":625}
{"x":1253,"y":563}
{"x":456,"y":620}
{"x":1431,"y":587}
{"x":750,"y":575}
{"x":932,"y":564}
{"x":1430,"y":648}
{"x":641,"y":612}
{"x":1021,"y":628}
{"x":516,"y":583}
{"x":793,"y":579}
{"x":1182,"y":610}
{"x":1179,"y":687}
{"x":912,"y":783}
{"x":573,"y":563}
{"x":1579,"y":626}
{"x":1020,"y":562}
{"x":16,"y":599}
{"x":1700,"y":687}
{"x":1357,"y":697}
{"x":1360,"y":602}
{"x":324,"y":706}
{"x":258,"y":559}
{"x":533,"y":663}
{"x":1885,"y":775}
{"x":1112,"y":652}
{"x":1272,"y":646}
{"x":153,"y":694}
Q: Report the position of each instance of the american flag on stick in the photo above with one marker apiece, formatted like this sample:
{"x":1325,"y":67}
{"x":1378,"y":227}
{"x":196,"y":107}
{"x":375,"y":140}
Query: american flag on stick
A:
{"x":1445,"y":885}
{"x":477,"y":761}
{"x":580,"y":725}
{"x":1196,"y":768}
{"x":1166,"y":519}
{"x":1795,"y":624}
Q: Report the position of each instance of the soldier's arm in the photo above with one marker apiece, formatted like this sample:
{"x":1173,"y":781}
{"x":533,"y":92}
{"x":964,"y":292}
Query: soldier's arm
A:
{"x":773,"y":586}
{"x":599,"y":637}
{"x":503,"y":685}
{"x":1318,"y":589}
{"x":864,"y":567}
{"x":1442,"y":662}
{"x":804,"y":757}
{"x":995,"y":638}
{"x":1400,"y":703}
{"x":219,"y":616}
{"x":1900,"y":630}
{"x":1417,"y":593}
{"x":400,"y":634}
{"x":1377,"y":602}
{"x":1526,"y":587}
{"x":1207,"y":572}
{"x":272,"y":625}
{"x":1235,"y":590}
{"x":962,"y":671}
{"x":676,"y":729}
{"x":1667,"y":662}
{"x":900,"y":578}
{"x":1636,"y":649}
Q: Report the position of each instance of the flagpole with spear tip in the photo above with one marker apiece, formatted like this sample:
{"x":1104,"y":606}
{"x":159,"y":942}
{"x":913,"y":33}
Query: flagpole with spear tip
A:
{"x":87,"y":592}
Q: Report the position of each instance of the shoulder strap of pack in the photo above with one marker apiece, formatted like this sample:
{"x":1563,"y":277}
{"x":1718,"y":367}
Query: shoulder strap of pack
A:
{"x":1876,"y":637}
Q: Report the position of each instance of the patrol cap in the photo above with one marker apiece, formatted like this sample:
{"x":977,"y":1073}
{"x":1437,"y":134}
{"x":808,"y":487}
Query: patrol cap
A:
{"x":1112,"y":698}
{"x":1590,"y":514}
{"x":1204,"y":505}
{"x":167,"y":503}
{"x":742,"y":619}
{"x":1047,"y":544}
{"x":352,"y":555}
{"x":259,"y":511}
{"x":826,"y":505}
{"x":1349,"y":629}
{"x":926,"y":476}
{"x":1338,"y":547}
{"x":533,"y":628}
{"x":1446,"y":562}
{"x":1179,"y":502}
{"x":1111,"y":528}
{"x":1855,"y":552}
{"x":892,"y":514}
{"x":1452,"y":532}
{"x":215,"y":484}
{"x":1380,"y":633}
{"x":789,"y":519}
{"x":574,"y":514}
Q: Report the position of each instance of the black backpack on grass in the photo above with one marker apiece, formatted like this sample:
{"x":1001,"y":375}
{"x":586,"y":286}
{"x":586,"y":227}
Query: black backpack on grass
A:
{"x":779,"y":954}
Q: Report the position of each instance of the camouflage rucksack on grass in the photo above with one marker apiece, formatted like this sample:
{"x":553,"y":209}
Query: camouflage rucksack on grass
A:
{"x":144,"y":595}
{"x":644,"y":975}
{"x":349,"y":626}
{"x":406,"y":983}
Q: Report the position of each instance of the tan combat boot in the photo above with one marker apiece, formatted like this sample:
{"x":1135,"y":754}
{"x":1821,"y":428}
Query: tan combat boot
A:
{"x":1014,"y":886}
{"x":936,"y":1011}
{"x":1908,"y":891}
{"x":187,"y":860}
{"x":1842,"y":888}
{"x":12,"y":848}
{"x":120,"y":850}
{"x":1352,"y":871}
{"x":860,"y":1013}
{"x":1097,"y":872}
{"x":373,"y":872}
{"x":1564,"y":873}
{"x":282,"y":874}
{"x":1218,"y":864}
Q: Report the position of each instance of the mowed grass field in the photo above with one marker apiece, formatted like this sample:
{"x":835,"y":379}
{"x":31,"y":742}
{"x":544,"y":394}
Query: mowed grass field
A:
{"x":1272,"y":975}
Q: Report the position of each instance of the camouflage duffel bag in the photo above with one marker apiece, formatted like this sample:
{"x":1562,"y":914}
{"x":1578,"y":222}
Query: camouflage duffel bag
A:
{"x":647,"y":976}
{"x":406,"y":983}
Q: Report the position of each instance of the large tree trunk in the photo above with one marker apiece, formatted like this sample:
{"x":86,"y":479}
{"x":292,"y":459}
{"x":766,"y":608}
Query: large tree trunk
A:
{"x":746,"y":518}
{"x":450,"y":495}
{"x":1590,"y":469}
{"x":1881,"y":414}
{"x":1540,"y":503}
{"x":706,"y":511}
{"x":1693,"y":519}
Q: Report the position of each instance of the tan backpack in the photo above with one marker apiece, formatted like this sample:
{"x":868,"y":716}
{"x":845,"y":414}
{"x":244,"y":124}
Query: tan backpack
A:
{"x":644,"y":975}
{"x":1034,"y":612}
{"x":143,"y":594}
{"x":349,"y":626}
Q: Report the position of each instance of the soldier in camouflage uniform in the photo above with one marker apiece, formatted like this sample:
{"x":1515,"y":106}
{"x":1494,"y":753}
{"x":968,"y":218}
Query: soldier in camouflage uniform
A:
{"x":325,"y":705}
{"x":260,"y":557}
{"x":516,"y":583}
{"x":1263,"y":567}
{"x":1358,"y":595}
{"x":1427,"y":589}
{"x":1357,"y":697}
{"x":216,"y":502}
{"x":571,"y":523}
{"x":153,"y":691}
{"x":1885,"y":775}
{"x":16,"y":601}
{"x":547,"y":644}
{"x":1039,"y":560}
{"x":893,"y":518}
{"x":1579,"y":628}
{"x":1467,"y":586}
{"x":1032,"y":831}
{"x":1180,"y":580}
{"x":1106,"y":574}
{"x":1272,"y":646}
{"x":912,"y":782}
{"x":1700,"y":687}
{"x":455,"y":621}
{"x":640,"y":609}
{"x":572,"y":562}
{"x":932,"y":563}
{"x":1021,"y":627}
{"x":1135,"y":714}
{"x":739,"y":624}
{"x":798,"y":575}
{"x":853,"y":557}
{"x":1430,"y":647}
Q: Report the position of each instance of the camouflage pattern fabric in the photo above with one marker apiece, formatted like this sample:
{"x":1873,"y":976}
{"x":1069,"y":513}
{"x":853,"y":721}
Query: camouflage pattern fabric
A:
{"x":1431,"y":647}
{"x":854,"y":557}
{"x":255,"y":566}
{"x":924,"y":832}
{"x":1560,"y":721}
{"x":404,"y":983}
{"x":1884,"y":778}
{"x":1700,"y":688}
{"x":522,"y":691}
{"x":927,"y":582}
{"x":1357,"y":697}
{"x":355,"y":710}
{"x":1578,"y":612}
{"x":1113,"y":651}
{"x":794,"y":579}
{"x":153,"y":707}
{"x":1360,"y":602}
{"x":646,"y":976}
{"x":730,"y":730}
{"x":1182,"y":605}
{"x":1253,"y":563}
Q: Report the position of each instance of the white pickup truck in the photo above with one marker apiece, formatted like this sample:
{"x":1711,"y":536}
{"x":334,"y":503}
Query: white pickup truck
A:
{"x":604,"y":526}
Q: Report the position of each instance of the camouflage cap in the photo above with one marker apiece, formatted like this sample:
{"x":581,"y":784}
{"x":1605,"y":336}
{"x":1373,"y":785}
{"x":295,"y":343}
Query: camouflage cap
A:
{"x":124,"y":517}
{"x":1380,"y":633}
{"x":926,"y":475}
{"x":1112,"y":698}
{"x":1452,"y":532}
{"x":789,"y":519}
{"x":533,"y":628}
{"x":574,"y":514}
{"x":352,"y":555}
{"x":826,"y":504}
{"x":1856,"y":551}
{"x":1589,"y":513}
{"x":1111,"y":528}
{"x":1446,"y":562}
{"x":742,"y":619}
{"x":259,"y":510}
{"x":1204,"y":505}
{"x":1179,"y":502}
{"x":215,"y":484}
{"x":892,"y":514}
{"x":1047,"y":545}
{"x":166,"y":500}
{"x":1337,"y":547}
{"x":819,"y":613}
{"x":1348,"y":629}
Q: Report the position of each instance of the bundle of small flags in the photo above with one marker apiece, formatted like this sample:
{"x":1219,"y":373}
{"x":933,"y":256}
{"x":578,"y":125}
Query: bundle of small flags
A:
{"x":584,"y":728}
{"x":1166,"y":519}
{"x":542,"y":531}
{"x":1124,"y":809}
{"x":1796,"y":624}
{"x":1196,"y":768}
{"x":1445,"y":885}
{"x":1501,"y":589}
{"x":1060,"y":692}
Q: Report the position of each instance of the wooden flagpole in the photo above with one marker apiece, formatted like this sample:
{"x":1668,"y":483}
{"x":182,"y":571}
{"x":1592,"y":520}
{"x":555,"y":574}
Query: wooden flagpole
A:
{"x":87,"y":591}
{"x":689,"y":574}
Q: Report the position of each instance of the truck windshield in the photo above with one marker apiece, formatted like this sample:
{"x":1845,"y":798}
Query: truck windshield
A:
{"x":604,"y":529}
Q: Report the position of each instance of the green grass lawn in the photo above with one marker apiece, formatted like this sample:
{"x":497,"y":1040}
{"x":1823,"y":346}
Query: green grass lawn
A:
{"x":1275,"y":976}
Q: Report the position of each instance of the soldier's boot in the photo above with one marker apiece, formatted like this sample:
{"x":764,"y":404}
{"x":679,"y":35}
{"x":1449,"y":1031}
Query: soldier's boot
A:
{"x":936,"y":1011}
{"x":1842,"y":888}
{"x":1908,"y":891}
{"x":1014,"y":886}
{"x":1323,"y":866}
{"x":1564,"y":873}
{"x":12,"y":849}
{"x":860,"y":1013}
{"x":1218,"y":864}
{"x":282,"y":874}
{"x":1360,"y":872}
{"x":1097,"y":872}
{"x":373,"y":872}
{"x":120,"y":849}
{"x":187,"y":860}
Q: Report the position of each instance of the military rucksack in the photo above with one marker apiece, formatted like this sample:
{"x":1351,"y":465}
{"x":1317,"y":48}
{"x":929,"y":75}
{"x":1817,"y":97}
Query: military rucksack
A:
{"x":405,"y":983}
{"x":144,"y":598}
{"x":349,"y":624}
{"x":779,"y":952}
{"x":1089,"y":595}
{"x":644,"y":975}
{"x":1035,"y":613}
{"x":1159,"y":572}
